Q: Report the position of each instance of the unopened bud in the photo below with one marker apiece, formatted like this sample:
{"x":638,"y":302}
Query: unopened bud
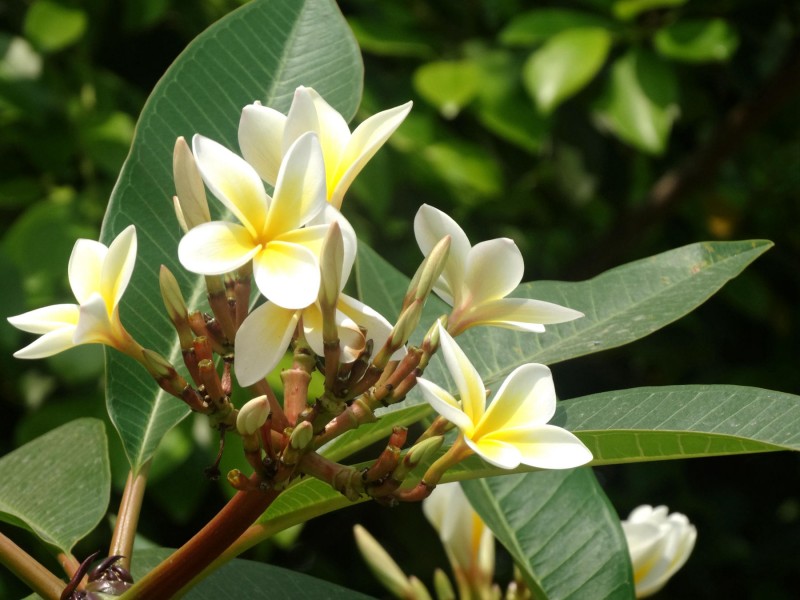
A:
{"x":416,"y":455}
{"x":252,"y":415}
{"x":428,"y":272}
{"x":302,"y":436}
{"x":381,"y":564}
{"x":189,"y":186}
{"x":176,"y":306}
{"x":331,"y":262}
{"x":442,"y":586}
{"x":163,"y":372}
{"x":418,"y":589}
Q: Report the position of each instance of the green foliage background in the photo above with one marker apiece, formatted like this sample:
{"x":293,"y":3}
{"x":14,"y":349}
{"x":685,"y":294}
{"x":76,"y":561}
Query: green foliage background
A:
{"x":572,"y":177}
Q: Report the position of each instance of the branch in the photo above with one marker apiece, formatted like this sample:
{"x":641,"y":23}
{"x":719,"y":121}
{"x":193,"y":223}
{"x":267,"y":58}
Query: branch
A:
{"x":29,"y":570}
{"x":128,"y":516}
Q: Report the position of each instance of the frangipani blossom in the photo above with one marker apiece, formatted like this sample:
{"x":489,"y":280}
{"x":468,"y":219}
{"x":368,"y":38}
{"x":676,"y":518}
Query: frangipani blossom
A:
{"x":98,"y":276}
{"x":513,"y":430}
{"x":469,"y":543}
{"x":477,"y":279}
{"x":274,"y":232}
{"x":659,"y":544}
{"x":265,"y":334}
{"x":265,"y":136}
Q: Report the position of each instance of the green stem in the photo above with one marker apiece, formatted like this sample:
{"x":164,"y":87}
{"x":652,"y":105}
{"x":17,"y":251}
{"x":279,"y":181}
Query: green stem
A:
{"x":128,"y":516}
{"x":29,"y":570}
{"x":168,"y":578}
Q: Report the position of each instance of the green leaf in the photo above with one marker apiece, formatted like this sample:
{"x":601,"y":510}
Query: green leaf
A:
{"x":52,"y":26}
{"x":58,"y":485}
{"x":561,"y":531}
{"x":262,"y":51}
{"x":248,"y":579}
{"x":627,"y":10}
{"x":564,"y":65}
{"x":541,"y":24}
{"x":639,"y":103}
{"x":448,"y":85}
{"x":620,"y":306}
{"x":697,"y":40}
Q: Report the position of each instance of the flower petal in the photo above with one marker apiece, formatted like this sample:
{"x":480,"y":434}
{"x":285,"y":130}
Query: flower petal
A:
{"x":365,"y":141}
{"x":493,"y":270}
{"x":497,"y":453}
{"x":544,"y":446}
{"x":526,"y":398}
{"x":47,"y":319}
{"x":287,"y":274}
{"x":310,"y":112}
{"x":260,"y":138}
{"x":430,"y":226}
{"x":85,"y":268}
{"x":262,"y":341}
{"x":216,"y":248}
{"x":118,"y":267}
{"x":233,"y":181}
{"x":94,"y":324}
{"x":49,"y":344}
{"x":300,"y":189}
{"x":378,"y":328}
{"x":468,"y":382}
{"x":351,"y":339}
{"x":521,"y":314}
{"x":444,"y":404}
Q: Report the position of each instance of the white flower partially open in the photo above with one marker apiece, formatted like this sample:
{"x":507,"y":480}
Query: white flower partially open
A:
{"x":513,"y":430}
{"x":265,"y":135}
{"x":98,"y":276}
{"x":659,"y":544}
{"x":469,"y":543}
{"x":274,"y":232}
{"x":477,"y":279}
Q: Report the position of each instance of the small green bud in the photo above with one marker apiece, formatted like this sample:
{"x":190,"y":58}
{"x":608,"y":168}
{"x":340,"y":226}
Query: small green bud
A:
{"x":424,"y":450}
{"x":442,"y":586}
{"x":176,"y":306}
{"x":381,"y":564}
{"x":432,"y":267}
{"x":191,"y":202}
{"x":302,"y":436}
{"x":252,"y":415}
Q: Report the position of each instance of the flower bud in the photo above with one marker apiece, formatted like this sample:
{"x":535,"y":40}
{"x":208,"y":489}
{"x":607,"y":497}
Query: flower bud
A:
{"x":163,"y":372}
{"x":252,"y":415}
{"x":331,"y":263}
{"x":302,"y":436}
{"x":443,"y":586}
{"x":191,"y":205}
{"x":382,"y":565}
{"x":417,"y":454}
{"x":176,"y":306}
{"x":428,"y":272}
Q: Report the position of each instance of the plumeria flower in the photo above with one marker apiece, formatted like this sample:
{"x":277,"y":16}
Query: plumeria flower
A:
{"x":274,"y":232}
{"x":477,"y":279}
{"x":98,"y":276}
{"x":469,"y":543}
{"x":265,"y":334}
{"x":659,"y":544}
{"x":513,"y":430}
{"x":265,"y":136}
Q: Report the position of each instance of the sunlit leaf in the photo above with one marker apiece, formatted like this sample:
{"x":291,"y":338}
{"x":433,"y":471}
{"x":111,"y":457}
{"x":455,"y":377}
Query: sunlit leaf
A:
{"x":697,"y":40}
{"x":262,"y":51}
{"x":627,"y":10}
{"x":58,"y":485}
{"x":538,"y":25}
{"x":52,"y":26}
{"x":448,"y":85}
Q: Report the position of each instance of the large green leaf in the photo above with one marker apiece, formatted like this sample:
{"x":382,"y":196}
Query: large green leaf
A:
{"x":564,"y":65}
{"x":640,"y":101}
{"x":58,"y":485}
{"x":620,"y":306}
{"x":248,"y":579}
{"x":561,"y":531}
{"x":262,"y":51}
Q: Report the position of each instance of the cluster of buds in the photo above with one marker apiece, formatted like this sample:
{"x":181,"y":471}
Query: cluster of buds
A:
{"x":298,"y":249}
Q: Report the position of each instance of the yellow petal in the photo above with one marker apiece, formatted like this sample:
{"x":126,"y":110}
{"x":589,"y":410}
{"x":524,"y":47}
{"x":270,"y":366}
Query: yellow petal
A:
{"x":216,"y":248}
{"x":287,"y":274}
{"x":468,"y":382}
{"x":85,"y":268}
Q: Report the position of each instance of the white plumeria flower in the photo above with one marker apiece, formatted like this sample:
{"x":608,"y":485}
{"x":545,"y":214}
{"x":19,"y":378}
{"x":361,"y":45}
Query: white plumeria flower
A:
{"x":265,"y":334}
{"x":265,"y":136}
{"x":477,"y":279}
{"x":469,"y":543}
{"x":274,"y":232}
{"x":659,"y":544}
{"x":513,"y":430}
{"x":98,"y":276}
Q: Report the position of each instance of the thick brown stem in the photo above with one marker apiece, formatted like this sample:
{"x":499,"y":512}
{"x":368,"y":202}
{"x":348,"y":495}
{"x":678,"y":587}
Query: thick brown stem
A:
{"x":128,"y":516}
{"x":168,"y":578}
{"x":29,"y":570}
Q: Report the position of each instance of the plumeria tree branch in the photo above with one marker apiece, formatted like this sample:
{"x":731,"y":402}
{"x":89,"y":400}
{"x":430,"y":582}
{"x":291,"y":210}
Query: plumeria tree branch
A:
{"x":29,"y":570}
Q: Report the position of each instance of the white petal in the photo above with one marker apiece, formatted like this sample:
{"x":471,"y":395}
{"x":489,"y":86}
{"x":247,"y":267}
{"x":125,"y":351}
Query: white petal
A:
{"x":49,"y":344}
{"x":260,"y":138}
{"x":430,"y":226}
{"x":47,"y":318}
{"x":468,"y":382}
{"x":287,"y":274}
{"x":262,"y":341}
{"x":233,"y":181}
{"x":444,"y":404}
{"x":521,"y":314}
{"x":378,"y":328}
{"x":544,"y":446}
{"x":365,"y":141}
{"x":94,"y":324}
{"x":526,"y":398}
{"x":216,"y":248}
{"x":493,"y":270}
{"x":85,"y":268}
{"x":497,"y":453}
{"x":300,"y":190}
{"x":350,"y":338}
{"x":448,"y":509}
{"x":118,"y":267}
